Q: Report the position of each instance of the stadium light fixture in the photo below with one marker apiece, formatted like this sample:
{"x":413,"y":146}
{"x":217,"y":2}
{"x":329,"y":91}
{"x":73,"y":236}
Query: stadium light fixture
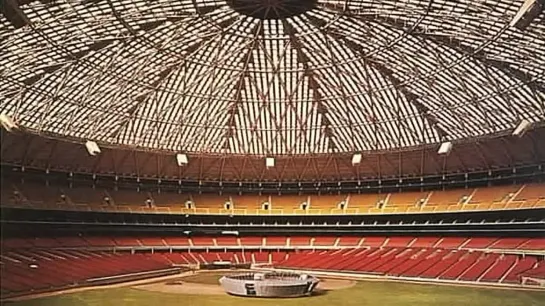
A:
{"x":523,"y":126}
{"x":356,"y":158}
{"x":181,"y":159}
{"x":92,"y":148}
{"x":269,"y":162}
{"x":8,"y":123}
{"x":445,"y":148}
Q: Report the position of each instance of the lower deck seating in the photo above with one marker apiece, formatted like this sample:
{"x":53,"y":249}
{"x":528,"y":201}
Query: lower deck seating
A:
{"x":42,"y":263}
{"x":31,"y":270}
{"x":24,"y":271}
{"x":454,"y":265}
{"x":120,"y":242}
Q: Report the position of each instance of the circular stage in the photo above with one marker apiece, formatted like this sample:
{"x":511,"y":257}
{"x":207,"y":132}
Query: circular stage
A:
{"x":269,"y":284}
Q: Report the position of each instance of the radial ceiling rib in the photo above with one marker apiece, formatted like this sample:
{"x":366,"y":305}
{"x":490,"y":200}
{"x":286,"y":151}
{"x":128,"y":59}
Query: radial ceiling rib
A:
{"x":282,"y":77}
{"x":303,"y":59}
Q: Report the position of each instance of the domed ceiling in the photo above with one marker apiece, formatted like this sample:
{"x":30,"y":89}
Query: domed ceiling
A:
{"x":270,"y":77}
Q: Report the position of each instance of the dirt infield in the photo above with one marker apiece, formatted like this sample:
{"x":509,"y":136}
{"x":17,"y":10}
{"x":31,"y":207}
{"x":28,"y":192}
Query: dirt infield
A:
{"x":335,"y":283}
{"x":180,"y":286}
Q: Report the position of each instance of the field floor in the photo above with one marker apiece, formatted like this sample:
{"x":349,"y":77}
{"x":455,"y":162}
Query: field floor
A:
{"x":202,"y":290}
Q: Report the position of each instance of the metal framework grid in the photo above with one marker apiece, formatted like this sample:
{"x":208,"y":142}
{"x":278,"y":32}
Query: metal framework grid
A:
{"x":249,"y":77}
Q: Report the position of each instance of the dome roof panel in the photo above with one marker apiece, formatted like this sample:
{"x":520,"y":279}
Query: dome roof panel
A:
{"x":278,"y":77}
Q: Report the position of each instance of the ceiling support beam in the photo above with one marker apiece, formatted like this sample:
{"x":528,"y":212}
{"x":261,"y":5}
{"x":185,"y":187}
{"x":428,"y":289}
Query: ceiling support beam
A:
{"x":240,"y":86}
{"x":456,"y":44}
{"x":527,"y":13}
{"x":13,"y":13}
{"x":322,"y":109}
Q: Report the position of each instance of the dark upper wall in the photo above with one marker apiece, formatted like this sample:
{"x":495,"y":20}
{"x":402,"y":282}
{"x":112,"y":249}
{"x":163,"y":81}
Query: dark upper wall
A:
{"x":34,"y":151}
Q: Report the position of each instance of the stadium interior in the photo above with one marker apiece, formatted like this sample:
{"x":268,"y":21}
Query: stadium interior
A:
{"x":374,"y":142}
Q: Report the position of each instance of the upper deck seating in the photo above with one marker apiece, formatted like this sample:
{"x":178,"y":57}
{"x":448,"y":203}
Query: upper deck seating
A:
{"x":531,"y":195}
{"x":326,"y":204}
{"x":290,"y":203}
{"x":405,"y":202}
{"x":40,"y":196}
{"x":493,"y":197}
{"x":365,"y":203}
{"x":250,"y":203}
{"x":172,"y":200}
{"x":210,"y":203}
{"x":128,"y":198}
{"x":447,"y":200}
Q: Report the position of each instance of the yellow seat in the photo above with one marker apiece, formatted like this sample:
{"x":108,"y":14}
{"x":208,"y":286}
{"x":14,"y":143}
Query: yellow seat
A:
{"x":215,"y":210}
{"x":123,"y":209}
{"x":163,"y":210}
{"x":497,"y":206}
{"x":188,"y":210}
{"x":145,"y":209}
{"x":483,"y":206}
{"x":403,"y":209}
{"x":454,"y":207}
{"x":415,"y":209}
{"x":441,"y":207}
{"x":540,"y":203}
{"x":239,"y":211}
{"x":351,"y":211}
{"x":528,"y":205}
{"x":336,"y":211}
{"x":513,"y":205}
{"x":470,"y":207}
{"x":429,"y":208}
{"x":202,"y":210}
{"x":314,"y":211}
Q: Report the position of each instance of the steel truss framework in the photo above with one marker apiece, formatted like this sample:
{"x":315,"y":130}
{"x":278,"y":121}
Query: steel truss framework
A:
{"x":207,"y":76}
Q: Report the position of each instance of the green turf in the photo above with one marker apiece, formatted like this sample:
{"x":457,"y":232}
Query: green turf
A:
{"x":364,"y":293}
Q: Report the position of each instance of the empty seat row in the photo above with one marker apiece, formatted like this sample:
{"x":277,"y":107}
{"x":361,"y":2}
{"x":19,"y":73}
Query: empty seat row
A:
{"x":40,"y":270}
{"x":41,"y":196}
{"x":279,"y":241}
{"x":428,"y":263}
